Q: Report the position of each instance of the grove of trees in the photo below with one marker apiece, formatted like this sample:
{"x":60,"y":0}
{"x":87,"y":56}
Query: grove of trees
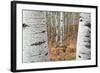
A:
{"x":62,"y":32}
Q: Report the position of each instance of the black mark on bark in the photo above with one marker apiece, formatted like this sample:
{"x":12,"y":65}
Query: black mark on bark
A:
{"x":46,"y":54}
{"x":25,"y":25}
{"x":88,"y":25}
{"x":40,"y":32}
{"x":79,"y":56}
{"x":89,"y":41}
{"x":88,"y":46}
{"x":38,"y":43}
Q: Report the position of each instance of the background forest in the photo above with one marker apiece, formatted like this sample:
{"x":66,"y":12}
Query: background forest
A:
{"x":62,"y":35}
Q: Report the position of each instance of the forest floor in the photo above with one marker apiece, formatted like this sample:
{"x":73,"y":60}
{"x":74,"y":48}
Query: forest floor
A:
{"x":65,"y":52}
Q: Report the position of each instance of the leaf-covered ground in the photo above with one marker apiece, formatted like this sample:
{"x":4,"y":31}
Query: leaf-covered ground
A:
{"x":65,"y":52}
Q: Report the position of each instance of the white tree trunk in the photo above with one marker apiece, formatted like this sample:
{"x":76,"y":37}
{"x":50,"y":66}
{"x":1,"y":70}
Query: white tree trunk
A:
{"x":35,"y":47}
{"x":61,"y":28}
{"x":84,"y":39}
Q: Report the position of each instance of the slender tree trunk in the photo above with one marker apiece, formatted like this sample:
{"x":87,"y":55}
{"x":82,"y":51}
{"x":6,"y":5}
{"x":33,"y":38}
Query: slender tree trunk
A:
{"x":52,"y":30}
{"x":66,"y":22}
{"x":61,"y":28}
{"x":73,"y":23}
{"x":69,"y":22}
{"x":56,"y":23}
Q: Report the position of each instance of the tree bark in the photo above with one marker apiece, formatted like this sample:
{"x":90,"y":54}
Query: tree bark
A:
{"x":57,"y":25}
{"x":61,"y":28}
{"x":84,"y":38}
{"x":35,"y":41}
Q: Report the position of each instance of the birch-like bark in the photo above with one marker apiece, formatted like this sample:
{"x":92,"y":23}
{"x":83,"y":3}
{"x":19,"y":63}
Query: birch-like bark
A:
{"x":84,"y":37}
{"x":35,"y":47}
{"x":61,"y":28}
